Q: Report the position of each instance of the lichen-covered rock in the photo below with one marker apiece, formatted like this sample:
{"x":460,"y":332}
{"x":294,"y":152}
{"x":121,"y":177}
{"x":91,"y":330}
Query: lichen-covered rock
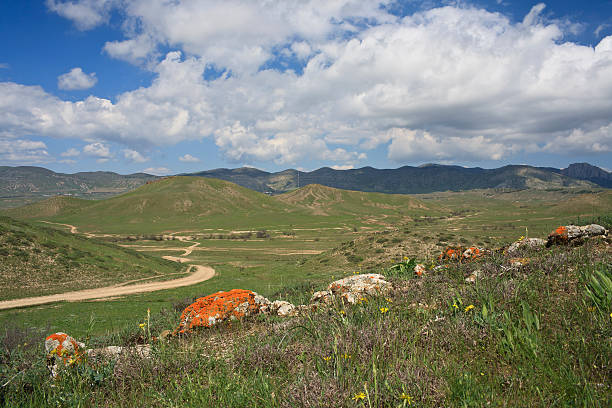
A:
{"x":353,"y":288}
{"x":221,"y":306}
{"x":570,"y":233}
{"x":419,"y":269}
{"x":472,"y":253}
{"x":532,"y":243}
{"x":451,"y":254}
{"x":62,"y":349}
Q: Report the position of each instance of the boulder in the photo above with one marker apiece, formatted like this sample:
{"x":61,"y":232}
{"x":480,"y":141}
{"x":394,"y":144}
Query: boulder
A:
{"x":62,"y":349}
{"x":533,"y":243}
{"x":283,"y":308}
{"x":114,"y":352}
{"x":221,"y":306}
{"x":474,"y":276}
{"x":571,"y":234}
{"x":353,"y":288}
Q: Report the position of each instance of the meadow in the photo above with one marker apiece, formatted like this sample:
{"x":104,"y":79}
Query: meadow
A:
{"x":287,"y":253}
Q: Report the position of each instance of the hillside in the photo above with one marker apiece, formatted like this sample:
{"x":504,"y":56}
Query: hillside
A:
{"x":404,"y":180}
{"x":325,"y":200}
{"x":38,"y":260}
{"x":196,"y":203}
{"x":23,"y":184}
{"x":585,"y":171}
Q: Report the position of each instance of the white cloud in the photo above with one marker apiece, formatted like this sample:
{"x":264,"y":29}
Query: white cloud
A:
{"x":68,"y":161}
{"x":449,"y":76}
{"x":76,"y":79}
{"x":99,"y":151}
{"x":344,"y":167}
{"x":4,"y":65}
{"x":188,"y":159}
{"x":21,"y":151}
{"x":157,"y":171}
{"x":72,"y":152}
{"x":85,"y":14}
{"x":134,"y":156}
{"x":601,"y":28}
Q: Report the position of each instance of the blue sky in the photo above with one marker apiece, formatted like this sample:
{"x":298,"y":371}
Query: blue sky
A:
{"x":179,"y":86}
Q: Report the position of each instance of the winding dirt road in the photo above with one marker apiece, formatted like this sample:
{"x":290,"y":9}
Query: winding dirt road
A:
{"x":200,"y":274}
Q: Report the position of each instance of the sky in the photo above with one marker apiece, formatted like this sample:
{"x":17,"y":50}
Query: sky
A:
{"x":173,"y":86}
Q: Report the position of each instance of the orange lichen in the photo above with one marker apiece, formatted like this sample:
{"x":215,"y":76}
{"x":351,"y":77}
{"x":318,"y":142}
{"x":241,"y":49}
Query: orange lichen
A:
{"x":208,"y":310}
{"x":473,"y":253}
{"x":451,"y":253}
{"x":61,"y":351}
{"x":561,"y":231}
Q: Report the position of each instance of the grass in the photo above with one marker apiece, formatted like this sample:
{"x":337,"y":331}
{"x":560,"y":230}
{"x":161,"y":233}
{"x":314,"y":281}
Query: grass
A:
{"x":522,"y":336}
{"x":38,"y":260}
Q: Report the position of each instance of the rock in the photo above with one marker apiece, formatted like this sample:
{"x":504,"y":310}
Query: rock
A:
{"x":221,"y":306}
{"x":451,"y":254}
{"x":283,"y":308}
{"x":165,"y":334}
{"x":532,"y":243}
{"x":419,"y":269}
{"x":143,"y":351}
{"x":322,"y":296}
{"x":474,"y":276}
{"x":62,"y":349}
{"x":353,"y":288}
{"x":472,"y":253}
{"x":566,"y":234}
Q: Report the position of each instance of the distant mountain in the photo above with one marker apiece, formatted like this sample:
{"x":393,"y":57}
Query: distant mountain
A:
{"x":585,"y":171}
{"x":29,"y":183}
{"x":404,"y":180}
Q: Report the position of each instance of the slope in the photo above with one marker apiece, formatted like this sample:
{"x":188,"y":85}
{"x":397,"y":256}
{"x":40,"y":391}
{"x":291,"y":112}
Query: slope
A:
{"x":38,"y":260}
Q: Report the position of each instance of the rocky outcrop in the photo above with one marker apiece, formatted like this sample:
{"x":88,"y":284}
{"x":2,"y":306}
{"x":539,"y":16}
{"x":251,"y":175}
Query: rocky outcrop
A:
{"x":352,"y":289}
{"x":573,"y":234}
{"x":460,"y":254}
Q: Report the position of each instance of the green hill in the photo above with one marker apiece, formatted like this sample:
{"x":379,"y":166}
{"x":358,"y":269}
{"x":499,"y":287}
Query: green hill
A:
{"x":198,"y":203}
{"x":323,"y":200}
{"x":38,"y":260}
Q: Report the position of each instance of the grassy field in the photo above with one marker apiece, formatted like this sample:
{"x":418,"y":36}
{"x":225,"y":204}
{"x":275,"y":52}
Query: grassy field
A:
{"x":535,"y":335}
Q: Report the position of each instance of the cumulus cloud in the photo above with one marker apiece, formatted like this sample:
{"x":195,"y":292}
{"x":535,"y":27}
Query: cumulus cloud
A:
{"x":23,"y":151}
{"x":134,"y":156}
{"x":98,"y":150}
{"x":448,"y":76}
{"x":76,"y":79}
{"x":85,"y":14}
{"x":72,"y":152}
{"x":188,"y":159}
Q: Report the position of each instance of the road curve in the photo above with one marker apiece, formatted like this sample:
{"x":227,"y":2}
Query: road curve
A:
{"x":201,"y":274}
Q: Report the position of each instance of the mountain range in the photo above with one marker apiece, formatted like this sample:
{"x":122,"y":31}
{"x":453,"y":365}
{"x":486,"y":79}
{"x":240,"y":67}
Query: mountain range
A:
{"x":23,"y":184}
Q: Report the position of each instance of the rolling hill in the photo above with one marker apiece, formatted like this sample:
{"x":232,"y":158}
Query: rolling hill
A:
{"x":23,"y":184}
{"x":407,"y":179}
{"x":184,"y":203}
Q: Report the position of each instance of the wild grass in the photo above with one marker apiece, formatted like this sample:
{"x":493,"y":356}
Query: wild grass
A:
{"x":531,"y":335}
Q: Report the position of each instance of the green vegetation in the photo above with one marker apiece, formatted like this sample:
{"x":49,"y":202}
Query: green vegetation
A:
{"x":532,"y":335}
{"x":39,"y":260}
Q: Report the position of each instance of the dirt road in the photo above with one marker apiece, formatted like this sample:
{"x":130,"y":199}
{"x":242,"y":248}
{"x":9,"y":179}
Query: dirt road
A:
{"x":201,"y":274}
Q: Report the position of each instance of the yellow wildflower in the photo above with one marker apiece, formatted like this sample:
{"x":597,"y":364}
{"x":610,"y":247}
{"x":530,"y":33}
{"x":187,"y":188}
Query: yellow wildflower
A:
{"x":346,"y":356}
{"x":359,"y":396}
{"x":455,"y":306}
{"x":142,"y":325}
{"x":470,"y":307}
{"x":384,"y":310}
{"x":327,"y":358}
{"x":591,"y":308}
{"x":405,"y":258}
{"x":389,"y":300}
{"x":406,"y":398}
{"x":342,"y":313}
